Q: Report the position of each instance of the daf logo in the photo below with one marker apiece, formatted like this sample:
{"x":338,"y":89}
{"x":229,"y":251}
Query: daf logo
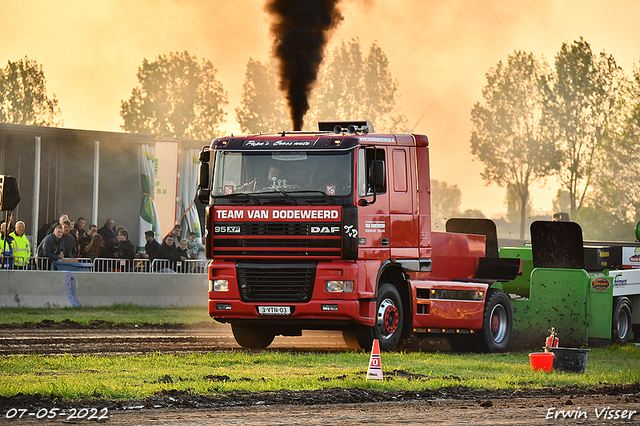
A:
{"x":325,"y":229}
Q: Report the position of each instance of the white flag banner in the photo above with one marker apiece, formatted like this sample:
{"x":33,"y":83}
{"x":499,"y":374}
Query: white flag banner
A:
{"x":148,"y":211}
{"x":189,"y":171}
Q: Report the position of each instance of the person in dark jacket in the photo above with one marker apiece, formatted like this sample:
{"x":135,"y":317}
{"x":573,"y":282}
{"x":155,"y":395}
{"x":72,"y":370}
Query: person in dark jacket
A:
{"x":182,"y":253}
{"x":167,"y":251}
{"x":51,"y":249}
{"x":95,"y":248}
{"x":121,"y":247}
{"x":60,"y":221}
{"x":70,"y":242}
{"x":79,"y":226}
{"x":152,"y":246}
{"x":108,"y":232}
{"x":85,"y":240}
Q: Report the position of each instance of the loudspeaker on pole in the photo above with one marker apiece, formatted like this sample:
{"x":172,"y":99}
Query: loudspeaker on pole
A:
{"x":9,"y":194}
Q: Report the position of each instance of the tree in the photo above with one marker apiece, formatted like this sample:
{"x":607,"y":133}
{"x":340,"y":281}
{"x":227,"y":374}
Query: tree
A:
{"x":473,"y":213}
{"x":176,"y":97}
{"x":23,"y":96}
{"x":561,"y":204}
{"x":353,"y":87}
{"x":507,"y":136}
{"x":263,"y":107}
{"x":445,"y":203}
{"x":381,"y":93}
{"x":339,"y":94}
{"x":613,"y":205}
{"x":513,"y":201}
{"x":583,"y":104}
{"x":350,"y":87}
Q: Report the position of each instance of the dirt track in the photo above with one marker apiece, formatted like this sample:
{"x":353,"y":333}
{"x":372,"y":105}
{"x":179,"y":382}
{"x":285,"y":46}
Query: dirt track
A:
{"x":448,"y":407}
{"x":69,"y":338}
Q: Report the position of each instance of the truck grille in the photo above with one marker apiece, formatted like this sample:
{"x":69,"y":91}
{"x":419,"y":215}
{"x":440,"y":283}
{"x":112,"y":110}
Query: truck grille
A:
{"x":275,"y":229}
{"x":270,"y":240}
{"x":276,"y":283}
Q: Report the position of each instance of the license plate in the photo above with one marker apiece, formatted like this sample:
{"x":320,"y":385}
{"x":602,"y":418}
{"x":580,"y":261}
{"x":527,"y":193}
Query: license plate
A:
{"x":274,"y":310}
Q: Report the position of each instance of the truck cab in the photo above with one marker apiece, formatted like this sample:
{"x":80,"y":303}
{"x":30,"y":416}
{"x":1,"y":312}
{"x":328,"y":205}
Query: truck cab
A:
{"x":332,"y":230}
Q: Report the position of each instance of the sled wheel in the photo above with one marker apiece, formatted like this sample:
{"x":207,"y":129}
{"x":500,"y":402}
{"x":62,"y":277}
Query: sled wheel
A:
{"x":621,"y":322}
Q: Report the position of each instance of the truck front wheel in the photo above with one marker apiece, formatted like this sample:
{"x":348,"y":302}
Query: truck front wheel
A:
{"x":621,"y":323}
{"x":497,"y":324}
{"x":252,"y":337}
{"x":389,"y":317}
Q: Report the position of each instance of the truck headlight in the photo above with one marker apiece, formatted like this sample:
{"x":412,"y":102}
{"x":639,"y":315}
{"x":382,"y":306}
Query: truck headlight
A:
{"x":339,"y":286}
{"x":220,"y":285}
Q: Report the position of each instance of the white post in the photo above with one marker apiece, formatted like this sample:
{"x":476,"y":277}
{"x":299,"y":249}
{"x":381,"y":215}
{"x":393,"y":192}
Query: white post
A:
{"x":35,"y":208}
{"x":96,"y":181}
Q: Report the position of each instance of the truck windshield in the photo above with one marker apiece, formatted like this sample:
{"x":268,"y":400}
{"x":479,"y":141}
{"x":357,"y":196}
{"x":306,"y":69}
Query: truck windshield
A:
{"x":244,"y":172}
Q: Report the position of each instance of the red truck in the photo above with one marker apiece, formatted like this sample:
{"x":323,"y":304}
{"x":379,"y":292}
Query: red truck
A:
{"x":332,"y":230}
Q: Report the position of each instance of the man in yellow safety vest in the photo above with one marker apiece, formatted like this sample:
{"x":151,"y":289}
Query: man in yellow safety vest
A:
{"x":21,"y":246}
{"x":6,"y":248}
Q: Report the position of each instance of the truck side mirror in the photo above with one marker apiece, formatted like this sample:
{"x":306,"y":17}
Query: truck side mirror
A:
{"x":203,"y":184}
{"x":203,"y":180}
{"x":205,"y":155}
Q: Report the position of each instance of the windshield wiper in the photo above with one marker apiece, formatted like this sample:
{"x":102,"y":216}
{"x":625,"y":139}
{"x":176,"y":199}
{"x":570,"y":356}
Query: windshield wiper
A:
{"x":312,"y":191}
{"x":248,"y":197}
{"x":270,"y":192}
{"x":287,"y":196}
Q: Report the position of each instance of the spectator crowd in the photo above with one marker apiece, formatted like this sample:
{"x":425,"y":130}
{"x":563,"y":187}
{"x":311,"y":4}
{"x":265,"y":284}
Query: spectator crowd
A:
{"x":67,"y":239}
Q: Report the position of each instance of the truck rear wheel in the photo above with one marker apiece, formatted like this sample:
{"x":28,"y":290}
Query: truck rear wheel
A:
{"x":621,"y":323}
{"x":389,"y":317}
{"x":497,"y":323}
{"x":252,"y":337}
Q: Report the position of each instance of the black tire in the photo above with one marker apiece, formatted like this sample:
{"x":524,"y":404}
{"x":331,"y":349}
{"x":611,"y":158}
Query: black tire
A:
{"x":621,"y":321}
{"x":359,"y":338}
{"x":389,"y":318}
{"x":252,"y":337}
{"x":497,"y":323}
{"x":351,"y":340}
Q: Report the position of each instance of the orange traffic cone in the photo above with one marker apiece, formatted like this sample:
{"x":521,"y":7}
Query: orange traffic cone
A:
{"x":375,"y":365}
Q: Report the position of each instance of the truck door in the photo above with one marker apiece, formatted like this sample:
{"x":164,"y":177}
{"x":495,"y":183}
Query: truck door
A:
{"x":403,"y":235}
{"x":373,"y":215}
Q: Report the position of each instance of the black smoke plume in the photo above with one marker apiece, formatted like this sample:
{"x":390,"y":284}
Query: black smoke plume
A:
{"x":300,"y":30}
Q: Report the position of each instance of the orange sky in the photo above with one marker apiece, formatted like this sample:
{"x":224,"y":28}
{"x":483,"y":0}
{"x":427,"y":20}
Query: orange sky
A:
{"x":439,"y":51}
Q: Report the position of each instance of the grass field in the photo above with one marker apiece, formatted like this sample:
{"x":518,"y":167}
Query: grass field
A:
{"x":118,"y":314}
{"x":132,"y":377}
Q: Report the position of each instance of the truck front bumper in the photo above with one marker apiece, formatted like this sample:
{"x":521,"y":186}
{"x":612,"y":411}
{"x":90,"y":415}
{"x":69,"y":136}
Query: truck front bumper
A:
{"x":316,"y":310}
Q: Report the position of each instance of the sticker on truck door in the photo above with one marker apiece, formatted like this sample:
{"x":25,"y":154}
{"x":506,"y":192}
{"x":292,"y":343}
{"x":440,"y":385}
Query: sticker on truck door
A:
{"x":377,"y":226}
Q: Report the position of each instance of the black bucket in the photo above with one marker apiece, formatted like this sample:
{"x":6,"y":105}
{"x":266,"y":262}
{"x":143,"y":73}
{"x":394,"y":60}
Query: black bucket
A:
{"x":572,"y":360}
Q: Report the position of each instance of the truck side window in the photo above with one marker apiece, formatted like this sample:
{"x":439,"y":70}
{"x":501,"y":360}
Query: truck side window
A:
{"x":399,"y":170}
{"x":365,"y":171}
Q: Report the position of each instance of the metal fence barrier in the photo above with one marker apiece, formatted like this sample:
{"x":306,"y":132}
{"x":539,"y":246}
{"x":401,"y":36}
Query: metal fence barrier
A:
{"x":189,"y":266}
{"x":163,"y":266}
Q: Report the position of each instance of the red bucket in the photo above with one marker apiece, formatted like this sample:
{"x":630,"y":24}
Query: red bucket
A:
{"x":541,"y":361}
